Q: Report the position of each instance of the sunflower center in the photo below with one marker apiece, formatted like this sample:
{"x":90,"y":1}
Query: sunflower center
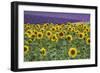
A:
{"x":43,"y":52}
{"x":87,"y":29}
{"x":35,"y":32}
{"x":69,"y":28}
{"x":61,"y":34}
{"x":89,"y":41}
{"x":53,"y":29}
{"x":54,"y":37}
{"x":33,"y":35}
{"x":39,"y":35}
{"x":48,"y":33}
{"x":68,"y":38}
{"x":29,"y":32}
{"x":81,"y":35}
{"x":72,"y":52}
{"x":25,"y":48}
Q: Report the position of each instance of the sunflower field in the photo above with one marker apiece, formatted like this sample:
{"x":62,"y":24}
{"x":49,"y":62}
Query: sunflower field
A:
{"x":48,"y":41}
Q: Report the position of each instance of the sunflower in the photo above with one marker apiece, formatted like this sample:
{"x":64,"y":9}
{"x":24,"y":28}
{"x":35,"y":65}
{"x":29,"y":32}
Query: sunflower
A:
{"x":73,"y":29}
{"x":57,"y":27}
{"x":38,"y":26}
{"x":81,"y":35}
{"x":62,"y":25}
{"x":61,"y":34}
{"x":88,"y":41}
{"x":69,"y":28}
{"x":42,"y":29}
{"x":39,"y":35}
{"x":53,"y":29}
{"x":33,"y":35}
{"x":27,"y":35}
{"x":87,"y":29}
{"x":43,"y":51}
{"x":30,"y":41}
{"x":26,"y":42}
{"x":84,"y":26}
{"x":29,"y":31}
{"x":72,"y":52}
{"x":35,"y":32}
{"x":60,"y":28}
{"x":26,"y":49}
{"x":54,"y":38}
{"x":69,"y":38}
{"x":26,"y":26}
{"x":77,"y":31}
{"x":45,"y":26}
{"x":85,"y":34}
{"x":48,"y":34}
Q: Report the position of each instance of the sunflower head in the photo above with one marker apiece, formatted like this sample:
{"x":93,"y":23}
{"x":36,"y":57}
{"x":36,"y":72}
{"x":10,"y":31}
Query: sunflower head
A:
{"x":69,"y":38}
{"x":27,"y":35}
{"x":87,"y":29}
{"x":26,"y":49}
{"x":84,"y":26}
{"x":35,"y":32}
{"x":29,"y":31}
{"x":54,"y":38}
{"x":39,"y":35}
{"x":61,"y":34}
{"x":30,"y":41}
{"x":38,"y":26}
{"x":72,"y":52}
{"x":62,"y":25}
{"x":43,"y":51}
{"x":33,"y":35}
{"x":53,"y":29}
{"x":42,"y":30}
{"x":57,"y":27}
{"x":48,"y":34}
{"x":45,"y":26}
{"x":81,"y":35}
{"x":88,"y":41}
{"x":73,"y":29}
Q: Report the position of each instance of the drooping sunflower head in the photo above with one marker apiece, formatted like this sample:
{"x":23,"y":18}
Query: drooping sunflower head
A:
{"x":61,"y":34}
{"x":39,"y":35}
{"x":43,"y":51}
{"x":48,"y":34}
{"x":72,"y":52}
{"x":54,"y":38}
{"x":26,"y":49}
{"x":81,"y":35}
{"x":38,"y":26}
{"x":88,"y":41}
{"x":69,"y":38}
